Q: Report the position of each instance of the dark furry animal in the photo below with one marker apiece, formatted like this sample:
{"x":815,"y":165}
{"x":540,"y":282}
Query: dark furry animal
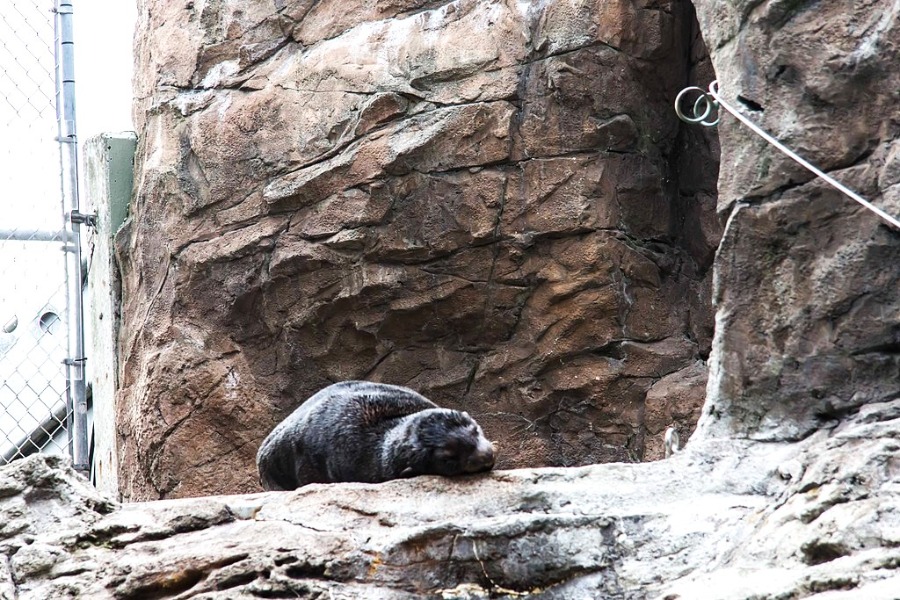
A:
{"x":371,"y":432}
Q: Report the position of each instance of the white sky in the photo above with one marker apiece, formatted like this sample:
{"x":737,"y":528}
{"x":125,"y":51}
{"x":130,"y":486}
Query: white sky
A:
{"x":104,"y":35}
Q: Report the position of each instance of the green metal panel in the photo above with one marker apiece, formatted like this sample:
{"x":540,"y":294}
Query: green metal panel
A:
{"x":121,"y":148}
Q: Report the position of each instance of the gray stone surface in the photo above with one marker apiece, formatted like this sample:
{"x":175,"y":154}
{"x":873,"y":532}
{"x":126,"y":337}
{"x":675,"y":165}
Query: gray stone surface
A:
{"x":806,"y":284}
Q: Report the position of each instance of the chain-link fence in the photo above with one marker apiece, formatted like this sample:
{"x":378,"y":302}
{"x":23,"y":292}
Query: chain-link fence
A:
{"x":33,"y":343}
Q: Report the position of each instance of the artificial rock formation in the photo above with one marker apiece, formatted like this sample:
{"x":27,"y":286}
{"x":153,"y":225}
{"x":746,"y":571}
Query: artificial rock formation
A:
{"x":789,"y":489}
{"x":491,"y":202}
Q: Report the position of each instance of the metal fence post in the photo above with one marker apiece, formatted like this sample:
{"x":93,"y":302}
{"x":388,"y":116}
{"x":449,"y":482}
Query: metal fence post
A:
{"x":76,"y":395}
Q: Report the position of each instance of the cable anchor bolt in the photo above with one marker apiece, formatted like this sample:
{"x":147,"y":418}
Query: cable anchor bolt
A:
{"x":80,"y":218}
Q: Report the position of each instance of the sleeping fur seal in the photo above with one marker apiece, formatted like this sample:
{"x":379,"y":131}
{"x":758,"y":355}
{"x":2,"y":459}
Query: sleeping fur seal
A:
{"x":370,"y":432}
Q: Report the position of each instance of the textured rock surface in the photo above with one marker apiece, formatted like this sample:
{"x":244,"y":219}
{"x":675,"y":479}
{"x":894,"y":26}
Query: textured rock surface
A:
{"x":517,"y":226}
{"x":723,"y":520}
{"x":806,"y":293}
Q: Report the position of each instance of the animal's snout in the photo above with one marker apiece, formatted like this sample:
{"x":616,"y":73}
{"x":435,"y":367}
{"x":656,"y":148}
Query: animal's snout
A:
{"x":482,"y":459}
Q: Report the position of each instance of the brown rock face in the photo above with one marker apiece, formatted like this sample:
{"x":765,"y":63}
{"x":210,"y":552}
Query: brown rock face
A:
{"x":808,"y":310}
{"x":488,"y":201}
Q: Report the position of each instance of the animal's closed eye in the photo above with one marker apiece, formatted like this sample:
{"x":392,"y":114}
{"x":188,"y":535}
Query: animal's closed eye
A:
{"x":447,"y":455}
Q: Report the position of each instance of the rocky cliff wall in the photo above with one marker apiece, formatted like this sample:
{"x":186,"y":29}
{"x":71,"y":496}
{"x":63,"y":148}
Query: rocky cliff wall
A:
{"x":489,"y":201}
{"x":806,"y":288}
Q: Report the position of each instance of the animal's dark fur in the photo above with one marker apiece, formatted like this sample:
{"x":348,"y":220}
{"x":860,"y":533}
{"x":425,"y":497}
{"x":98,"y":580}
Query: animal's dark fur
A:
{"x":363,"y":431}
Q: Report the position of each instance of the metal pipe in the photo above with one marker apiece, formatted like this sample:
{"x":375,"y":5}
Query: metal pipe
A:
{"x":32,"y":235}
{"x":76,"y":395}
{"x":39,"y":437}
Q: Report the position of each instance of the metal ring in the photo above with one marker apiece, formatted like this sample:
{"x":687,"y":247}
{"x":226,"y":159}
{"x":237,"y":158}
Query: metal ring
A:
{"x":715,"y":106}
{"x":702,"y":109}
{"x":680,"y":114}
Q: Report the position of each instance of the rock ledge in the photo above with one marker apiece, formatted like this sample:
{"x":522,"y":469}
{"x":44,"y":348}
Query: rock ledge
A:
{"x":724,"y":519}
